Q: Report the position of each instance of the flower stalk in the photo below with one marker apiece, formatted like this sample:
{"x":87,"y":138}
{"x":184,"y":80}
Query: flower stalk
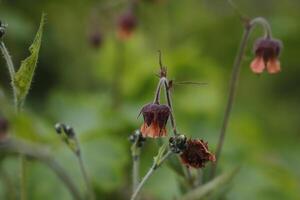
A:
{"x":17,"y":104}
{"x":137,"y":143}
{"x":68,"y":136}
{"x":11,"y":70}
{"x":169,"y":102}
{"x":234,"y":81}
{"x":156,"y":164}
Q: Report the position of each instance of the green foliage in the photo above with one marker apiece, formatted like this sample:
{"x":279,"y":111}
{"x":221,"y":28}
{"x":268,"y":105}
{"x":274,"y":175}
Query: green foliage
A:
{"x":23,"y":77}
{"x":198,"y":40}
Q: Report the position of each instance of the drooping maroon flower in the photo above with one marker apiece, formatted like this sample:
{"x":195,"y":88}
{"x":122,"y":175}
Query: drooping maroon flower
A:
{"x":3,"y":128}
{"x":196,"y":154}
{"x":155,"y":120}
{"x":266,"y":51}
{"x":126,"y":24}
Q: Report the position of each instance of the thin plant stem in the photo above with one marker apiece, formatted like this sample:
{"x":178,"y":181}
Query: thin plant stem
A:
{"x":11,"y":69}
{"x":135,"y":172}
{"x":10,"y":192}
{"x":189,"y":177}
{"x":264,"y":23}
{"x":153,"y":168}
{"x":85,"y":177}
{"x":232,"y":90}
{"x":18,"y":104}
{"x":169,"y":101}
{"x":135,"y":151}
{"x":23,"y":194}
{"x":241,"y":15}
{"x":157,"y":92}
{"x":199,"y":177}
{"x":234,"y":82}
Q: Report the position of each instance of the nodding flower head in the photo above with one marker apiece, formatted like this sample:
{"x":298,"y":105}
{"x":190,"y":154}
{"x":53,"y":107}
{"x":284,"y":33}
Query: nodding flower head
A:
{"x":266,"y":51}
{"x":3,"y":128}
{"x":126,"y":25}
{"x":155,"y":120}
{"x":196,"y":154}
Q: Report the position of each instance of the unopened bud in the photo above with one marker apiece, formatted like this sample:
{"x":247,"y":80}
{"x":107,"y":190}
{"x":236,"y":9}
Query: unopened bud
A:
{"x":178,"y":143}
{"x":2,"y":29}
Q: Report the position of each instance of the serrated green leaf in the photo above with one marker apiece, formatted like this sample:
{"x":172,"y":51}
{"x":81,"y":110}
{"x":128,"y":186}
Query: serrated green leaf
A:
{"x":204,"y":190}
{"x":23,"y":77}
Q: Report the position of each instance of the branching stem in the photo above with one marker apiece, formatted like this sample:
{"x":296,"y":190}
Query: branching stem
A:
{"x":154,"y":167}
{"x":169,"y":101}
{"x":135,"y":152}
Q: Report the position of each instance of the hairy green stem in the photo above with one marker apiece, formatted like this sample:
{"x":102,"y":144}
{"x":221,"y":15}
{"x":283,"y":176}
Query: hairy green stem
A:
{"x":154,"y":167}
{"x":234,"y":82}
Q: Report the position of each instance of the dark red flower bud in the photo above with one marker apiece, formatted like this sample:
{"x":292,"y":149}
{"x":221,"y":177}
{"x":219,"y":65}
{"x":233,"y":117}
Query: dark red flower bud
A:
{"x":3,"y":128}
{"x":126,"y":24}
{"x":196,"y":154}
{"x":155,"y":120}
{"x":95,"y":38}
{"x":266,"y":51}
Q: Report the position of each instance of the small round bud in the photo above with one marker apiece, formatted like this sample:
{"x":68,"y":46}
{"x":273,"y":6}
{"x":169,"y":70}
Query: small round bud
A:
{"x":178,"y":143}
{"x":2,"y":29}
{"x":69,"y":131}
{"x":58,"y":128}
{"x":138,"y":138}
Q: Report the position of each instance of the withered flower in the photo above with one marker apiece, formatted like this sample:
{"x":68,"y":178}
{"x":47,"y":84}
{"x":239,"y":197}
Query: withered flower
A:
{"x":126,"y":24}
{"x":3,"y":128}
{"x":196,"y":154}
{"x":266,"y":52}
{"x":155,"y":120}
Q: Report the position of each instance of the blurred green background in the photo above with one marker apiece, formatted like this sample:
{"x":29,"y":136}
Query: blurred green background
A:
{"x":99,"y":90}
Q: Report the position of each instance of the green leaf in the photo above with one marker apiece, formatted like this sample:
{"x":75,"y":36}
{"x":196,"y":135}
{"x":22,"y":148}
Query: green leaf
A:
{"x":204,"y":190}
{"x":23,"y":77}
